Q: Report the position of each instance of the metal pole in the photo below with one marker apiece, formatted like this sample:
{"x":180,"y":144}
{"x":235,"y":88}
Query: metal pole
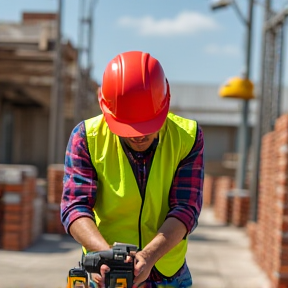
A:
{"x":79,"y":80}
{"x":279,"y":83}
{"x":56,"y":105}
{"x":244,"y":126}
{"x":90,"y":42}
{"x":256,"y":145}
{"x":84,"y":63}
{"x":60,"y":145}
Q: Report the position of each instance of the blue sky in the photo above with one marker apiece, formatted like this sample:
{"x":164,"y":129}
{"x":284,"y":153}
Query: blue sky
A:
{"x":193,"y":43}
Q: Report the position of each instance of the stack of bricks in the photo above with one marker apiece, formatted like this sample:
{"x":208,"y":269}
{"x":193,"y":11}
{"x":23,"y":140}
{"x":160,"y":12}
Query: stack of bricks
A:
{"x":223,"y":199}
{"x":280,"y":209}
{"x":240,"y":207}
{"x":54,"y":194}
{"x":209,"y":190}
{"x":252,"y":228}
{"x":1,"y":202}
{"x":271,"y":237}
{"x":18,"y":190}
{"x":265,"y":235}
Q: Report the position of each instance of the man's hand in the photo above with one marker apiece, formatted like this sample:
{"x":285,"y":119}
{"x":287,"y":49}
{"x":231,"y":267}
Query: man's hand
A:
{"x":142,"y":268}
{"x":169,"y":235}
{"x":100,"y":278}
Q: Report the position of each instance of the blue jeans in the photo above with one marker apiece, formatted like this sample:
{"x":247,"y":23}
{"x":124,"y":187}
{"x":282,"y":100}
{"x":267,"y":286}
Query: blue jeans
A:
{"x":184,"y":280}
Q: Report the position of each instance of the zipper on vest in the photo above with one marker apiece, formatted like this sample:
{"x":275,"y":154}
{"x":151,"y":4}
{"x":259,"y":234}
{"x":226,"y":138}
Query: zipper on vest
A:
{"x":139,"y":223}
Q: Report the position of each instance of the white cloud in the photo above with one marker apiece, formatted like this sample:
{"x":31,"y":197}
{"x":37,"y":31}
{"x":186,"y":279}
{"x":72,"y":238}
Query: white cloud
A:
{"x":230,"y":50}
{"x":185,"y":23}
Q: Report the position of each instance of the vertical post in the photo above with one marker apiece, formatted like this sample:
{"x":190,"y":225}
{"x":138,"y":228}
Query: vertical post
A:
{"x":244,"y":126}
{"x":56,"y":122}
{"x":257,"y":135}
{"x":79,"y":78}
{"x":84,"y":63}
{"x":279,"y":54}
{"x":90,"y":41}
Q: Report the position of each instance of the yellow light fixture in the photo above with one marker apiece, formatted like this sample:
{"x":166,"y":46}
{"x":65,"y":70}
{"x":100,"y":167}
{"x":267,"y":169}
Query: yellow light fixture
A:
{"x":238,"y":88}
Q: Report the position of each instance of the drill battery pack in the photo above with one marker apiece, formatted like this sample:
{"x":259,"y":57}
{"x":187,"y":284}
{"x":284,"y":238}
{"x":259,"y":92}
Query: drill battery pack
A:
{"x":77,"y":278}
{"x":119,"y":279}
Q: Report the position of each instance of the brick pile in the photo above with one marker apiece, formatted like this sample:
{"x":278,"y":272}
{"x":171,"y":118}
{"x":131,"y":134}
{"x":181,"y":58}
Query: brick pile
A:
{"x":265,"y":232}
{"x":280,"y":219}
{"x":54,"y":194}
{"x":240,"y":207}
{"x":209,"y":190}
{"x":251,"y":229}
{"x":271,"y":237}
{"x":223,"y":199}
{"x":18,"y":191}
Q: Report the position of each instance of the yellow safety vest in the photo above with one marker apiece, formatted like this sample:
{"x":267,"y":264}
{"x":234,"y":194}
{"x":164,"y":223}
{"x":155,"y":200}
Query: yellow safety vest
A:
{"x":121,"y":214}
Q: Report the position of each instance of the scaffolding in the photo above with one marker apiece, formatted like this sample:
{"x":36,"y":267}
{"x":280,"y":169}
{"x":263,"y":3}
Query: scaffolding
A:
{"x":56,"y":119}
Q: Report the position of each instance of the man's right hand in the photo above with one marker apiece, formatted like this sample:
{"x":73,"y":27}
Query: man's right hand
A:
{"x":100,"y":278}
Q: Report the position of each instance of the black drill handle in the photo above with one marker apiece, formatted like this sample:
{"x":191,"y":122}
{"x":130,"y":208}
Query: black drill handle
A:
{"x":94,"y":260}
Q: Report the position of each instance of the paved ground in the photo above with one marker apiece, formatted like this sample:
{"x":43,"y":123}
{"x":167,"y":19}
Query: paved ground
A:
{"x":218,"y":256}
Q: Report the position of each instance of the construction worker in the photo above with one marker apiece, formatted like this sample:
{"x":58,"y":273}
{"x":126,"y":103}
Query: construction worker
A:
{"x":134,"y":174}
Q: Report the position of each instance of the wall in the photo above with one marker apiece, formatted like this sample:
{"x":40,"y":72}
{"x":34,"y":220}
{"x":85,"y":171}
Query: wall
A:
{"x":218,"y":141}
{"x":28,"y":141}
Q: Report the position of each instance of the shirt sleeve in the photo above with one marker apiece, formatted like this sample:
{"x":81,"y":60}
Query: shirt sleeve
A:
{"x":80,"y":180}
{"x":186,"y":195}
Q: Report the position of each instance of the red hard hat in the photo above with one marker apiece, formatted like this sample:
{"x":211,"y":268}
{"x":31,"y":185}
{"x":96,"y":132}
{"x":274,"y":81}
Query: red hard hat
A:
{"x":134,"y":96}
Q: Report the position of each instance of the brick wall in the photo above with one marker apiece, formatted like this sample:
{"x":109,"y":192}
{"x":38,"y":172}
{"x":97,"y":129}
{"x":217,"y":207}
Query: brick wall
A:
{"x":231,"y":205}
{"x":251,"y":229}
{"x":29,"y":206}
{"x":209,"y":190}
{"x":223,"y":198}
{"x":280,"y":220}
{"x":265,"y":239}
{"x":271,"y":236}
{"x":240,"y":207}
{"x":18,"y":192}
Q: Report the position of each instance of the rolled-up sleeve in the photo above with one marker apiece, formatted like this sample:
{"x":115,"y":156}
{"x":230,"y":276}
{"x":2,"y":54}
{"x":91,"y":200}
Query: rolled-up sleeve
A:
{"x":186,"y":192}
{"x":80,"y":180}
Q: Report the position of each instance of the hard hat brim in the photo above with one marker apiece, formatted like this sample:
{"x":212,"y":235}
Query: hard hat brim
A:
{"x":134,"y":129}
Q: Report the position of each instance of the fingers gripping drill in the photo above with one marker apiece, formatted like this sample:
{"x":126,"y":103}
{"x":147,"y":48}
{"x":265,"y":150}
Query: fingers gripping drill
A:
{"x":121,"y":272}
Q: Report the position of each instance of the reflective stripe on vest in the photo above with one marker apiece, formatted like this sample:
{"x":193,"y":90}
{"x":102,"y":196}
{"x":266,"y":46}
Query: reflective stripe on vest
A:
{"x":120,"y":213}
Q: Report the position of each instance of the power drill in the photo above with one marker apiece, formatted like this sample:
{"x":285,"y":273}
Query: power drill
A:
{"x":121,"y":273}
